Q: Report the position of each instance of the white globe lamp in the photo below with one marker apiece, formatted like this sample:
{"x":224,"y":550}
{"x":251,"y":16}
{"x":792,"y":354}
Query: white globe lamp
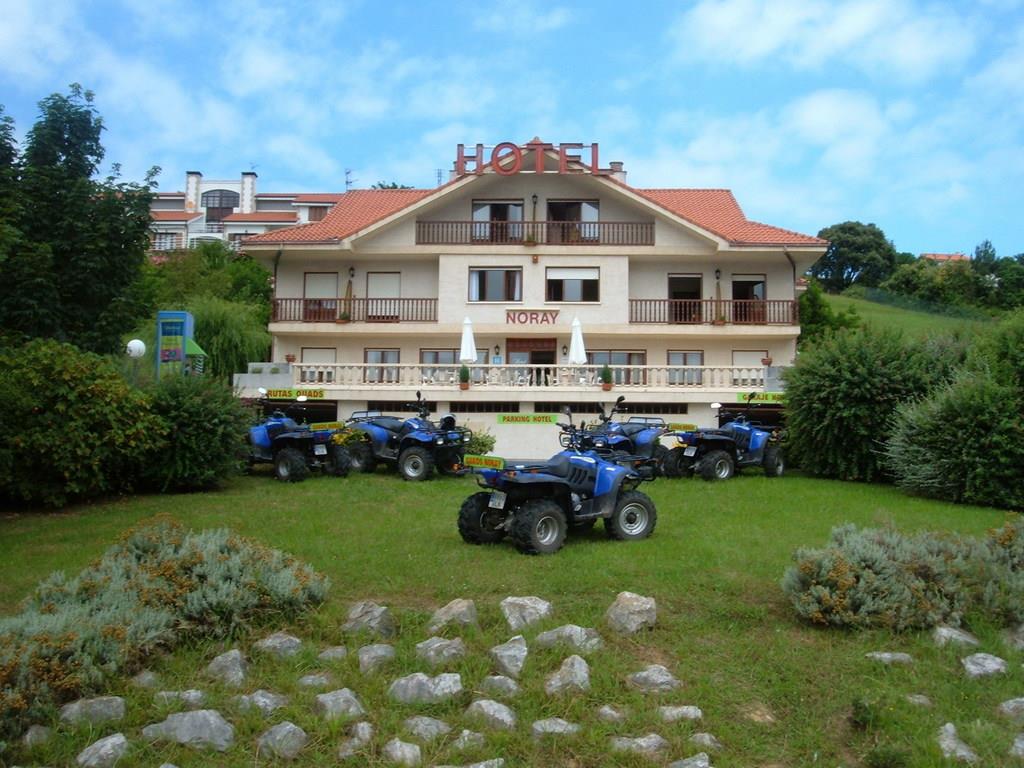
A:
{"x":135,"y":348}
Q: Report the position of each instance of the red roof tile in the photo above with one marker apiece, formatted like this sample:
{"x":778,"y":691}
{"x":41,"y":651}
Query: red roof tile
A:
{"x":174,"y":215}
{"x":268,"y":216}
{"x":319,"y":197}
{"x":945,"y":257}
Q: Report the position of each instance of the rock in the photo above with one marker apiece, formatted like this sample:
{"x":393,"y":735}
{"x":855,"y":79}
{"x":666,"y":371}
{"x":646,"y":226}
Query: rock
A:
{"x":496,"y":762}
{"x":337,"y":704}
{"x":284,"y":740}
{"x":495,"y":714}
{"x":651,"y":744}
{"x":706,"y":740}
{"x":168,"y":765}
{"x":890,"y":658}
{"x":265,"y":701}
{"x":1017,"y":750}
{"x":103,"y":753}
{"x":103,"y":709}
{"x":1012,"y":708}
{"x":523,"y":611}
{"x":419,"y":688}
{"x":468,"y":740}
{"x":499,"y":685}
{"x":360,"y":734}
{"x":229,"y":668}
{"x":952,"y":636}
{"x":700,"y":760}
{"x":510,"y":657}
{"x":653,"y":679}
{"x":631,"y":612}
{"x":759,"y":713}
{"x":572,"y":677}
{"x":315,"y":680}
{"x":373,"y":656}
{"x":145,"y":679}
{"x":334,"y":653}
{"x":202,"y":729}
{"x":36,"y":735}
{"x":553,"y":726}
{"x":672,"y":714}
{"x":983,"y":664}
{"x":426,"y":728}
{"x":575,"y":637}
{"x":460,"y":611}
{"x":279,"y":644}
{"x":437,"y":651}
{"x":951,"y":746}
{"x":919,"y":699}
{"x":609,"y":714}
{"x":191,"y":698}
{"x":402,"y":752}
{"x":1015,"y":638}
{"x":370,"y":617}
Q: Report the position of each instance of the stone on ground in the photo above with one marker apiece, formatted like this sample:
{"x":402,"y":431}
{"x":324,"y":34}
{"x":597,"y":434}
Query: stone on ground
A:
{"x":103,"y":753}
{"x":953,"y":748}
{"x":886,"y":657}
{"x":499,"y":685}
{"x":706,"y":740}
{"x":371,"y":657}
{"x":460,"y":612}
{"x":145,"y":679}
{"x":265,"y":701}
{"x":1017,"y":750}
{"x":653,"y":679}
{"x":191,"y":698}
{"x":553,"y":726}
{"x":337,"y":704}
{"x":572,"y":677}
{"x":919,"y":699}
{"x":229,"y":668}
{"x":402,"y":752}
{"x":36,"y":735}
{"x":983,"y":664}
{"x":368,"y":616}
{"x":360,"y":734}
{"x":672,"y":714}
{"x":1015,"y":638}
{"x":334,"y":653}
{"x":631,"y":612}
{"x":651,"y":744}
{"x":315,"y":680}
{"x":610,"y":714}
{"x":468,"y":740}
{"x":202,"y":729}
{"x":284,"y":740}
{"x":952,"y":636}
{"x":103,"y":709}
{"x":510,"y":657}
{"x":523,"y":611}
{"x":419,"y":688}
{"x":1012,"y":708}
{"x":494,"y":762}
{"x":578,"y":638}
{"x":492,"y":713}
{"x":279,"y":644}
{"x":437,"y":651}
{"x":426,"y":728}
{"x":700,"y":760}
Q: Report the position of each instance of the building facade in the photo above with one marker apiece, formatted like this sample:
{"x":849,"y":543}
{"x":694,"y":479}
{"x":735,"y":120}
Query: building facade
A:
{"x":684,"y":299}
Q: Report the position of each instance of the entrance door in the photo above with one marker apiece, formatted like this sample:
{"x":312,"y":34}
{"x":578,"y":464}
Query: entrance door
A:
{"x":684,"y":296}
{"x":534,"y":360}
{"x":383,"y":294}
{"x":748,"y":293}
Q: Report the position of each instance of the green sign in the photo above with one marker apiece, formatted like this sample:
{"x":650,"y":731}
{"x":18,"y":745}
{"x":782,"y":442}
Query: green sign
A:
{"x":527,"y":418}
{"x":483,"y":462}
{"x":762,"y":397}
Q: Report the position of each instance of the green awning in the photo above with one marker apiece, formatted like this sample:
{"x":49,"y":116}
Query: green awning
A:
{"x":192,"y":349}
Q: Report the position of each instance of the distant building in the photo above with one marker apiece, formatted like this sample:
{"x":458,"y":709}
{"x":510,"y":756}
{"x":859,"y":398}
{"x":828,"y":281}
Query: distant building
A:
{"x":942,"y":258}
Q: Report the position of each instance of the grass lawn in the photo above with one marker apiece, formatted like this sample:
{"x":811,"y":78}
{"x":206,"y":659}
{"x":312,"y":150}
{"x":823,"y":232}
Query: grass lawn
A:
{"x":911,"y":322}
{"x":713,"y":564}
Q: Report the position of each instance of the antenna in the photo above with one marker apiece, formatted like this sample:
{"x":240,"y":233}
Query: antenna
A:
{"x":440,"y":176}
{"x":349,"y":181}
{"x":253,"y":166}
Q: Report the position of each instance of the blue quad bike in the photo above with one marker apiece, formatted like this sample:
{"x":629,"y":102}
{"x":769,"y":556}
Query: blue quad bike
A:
{"x":294,"y":449}
{"x":415,"y":445}
{"x":537,"y":504}
{"x":717,"y":454}
{"x":637,"y":438}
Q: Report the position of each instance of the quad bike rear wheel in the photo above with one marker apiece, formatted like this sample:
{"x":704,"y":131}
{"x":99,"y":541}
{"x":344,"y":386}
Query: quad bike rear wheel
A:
{"x":339,"y":461}
{"x":634,"y":517}
{"x":678,"y":464}
{"x":361,"y":458}
{"x":774,"y":463}
{"x":416,"y":464}
{"x":660,"y":456}
{"x":290,"y":466}
{"x":478,"y":523}
{"x":717,"y":465}
{"x":539,"y":527}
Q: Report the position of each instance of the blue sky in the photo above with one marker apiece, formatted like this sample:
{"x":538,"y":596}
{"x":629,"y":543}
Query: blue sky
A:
{"x":908,"y":114}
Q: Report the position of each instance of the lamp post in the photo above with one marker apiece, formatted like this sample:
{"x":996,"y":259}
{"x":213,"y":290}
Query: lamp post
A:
{"x":135,"y":349}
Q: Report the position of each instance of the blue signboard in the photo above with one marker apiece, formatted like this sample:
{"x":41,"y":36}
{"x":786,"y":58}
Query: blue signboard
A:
{"x":173,"y":331}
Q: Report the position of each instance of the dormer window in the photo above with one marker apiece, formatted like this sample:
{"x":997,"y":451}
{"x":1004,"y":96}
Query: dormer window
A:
{"x":497,"y":221}
{"x":573,"y":220}
{"x":219,"y":203}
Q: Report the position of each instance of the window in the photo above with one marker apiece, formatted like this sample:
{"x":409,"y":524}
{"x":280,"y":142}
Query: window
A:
{"x":495,"y":284}
{"x":219,"y":203}
{"x":447,"y":365}
{"x":617,"y":359}
{"x":318,"y":355}
{"x":317,"y":212}
{"x":573,"y":220}
{"x":751,"y":372}
{"x":459,"y":406}
{"x":748,"y":293}
{"x":320,"y":297}
{"x":377,"y":359}
{"x":166,"y":241}
{"x":684,"y":299}
{"x":383,"y":297}
{"x":573,"y":284}
{"x":686,"y":358}
{"x":498,"y":221}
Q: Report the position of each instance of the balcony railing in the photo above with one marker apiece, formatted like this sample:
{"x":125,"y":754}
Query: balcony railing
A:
{"x":212,"y":227}
{"x":535,"y":232}
{"x":709,"y":311}
{"x":517,"y":377}
{"x":355,"y":310}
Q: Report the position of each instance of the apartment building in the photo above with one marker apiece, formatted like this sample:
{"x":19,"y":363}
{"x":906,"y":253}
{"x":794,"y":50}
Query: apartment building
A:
{"x":684,"y":299}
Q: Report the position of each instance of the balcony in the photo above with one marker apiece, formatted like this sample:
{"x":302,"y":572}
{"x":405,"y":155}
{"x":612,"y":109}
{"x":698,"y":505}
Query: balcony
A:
{"x":711,"y":312}
{"x":355,"y":310}
{"x":534,"y":232}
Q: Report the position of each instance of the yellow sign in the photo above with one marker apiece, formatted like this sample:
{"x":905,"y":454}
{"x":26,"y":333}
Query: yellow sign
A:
{"x":483,"y":462}
{"x":682,"y":427}
{"x":321,"y":425}
{"x":527,"y":418}
{"x":291,"y":394}
{"x":762,"y":397}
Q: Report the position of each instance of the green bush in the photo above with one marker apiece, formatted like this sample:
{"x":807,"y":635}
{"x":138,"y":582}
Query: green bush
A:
{"x":206,"y":427}
{"x":481,"y":443}
{"x":160,"y":586}
{"x":73,"y":428}
{"x":1002,"y":351}
{"x":961,"y":443}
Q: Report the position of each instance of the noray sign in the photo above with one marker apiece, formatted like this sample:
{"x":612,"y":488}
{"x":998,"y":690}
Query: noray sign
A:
{"x":506,"y":158}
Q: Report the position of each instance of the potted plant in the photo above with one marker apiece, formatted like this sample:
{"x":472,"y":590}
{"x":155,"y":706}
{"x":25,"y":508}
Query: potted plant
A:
{"x":343,"y":317}
{"x":529,"y":238}
{"x":464,"y":377}
{"x":289,"y":359}
{"x":719,"y":320}
{"x":606,"y":378}
{"x":766,"y":361}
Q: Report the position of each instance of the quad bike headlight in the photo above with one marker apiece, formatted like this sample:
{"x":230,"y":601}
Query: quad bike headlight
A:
{"x":440,"y":441}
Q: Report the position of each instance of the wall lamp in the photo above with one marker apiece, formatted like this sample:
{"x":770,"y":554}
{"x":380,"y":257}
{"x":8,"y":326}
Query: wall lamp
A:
{"x":565,"y":350}
{"x":718,"y":274}
{"x":535,"y":199}
{"x":351,"y":272}
{"x":497,"y":349}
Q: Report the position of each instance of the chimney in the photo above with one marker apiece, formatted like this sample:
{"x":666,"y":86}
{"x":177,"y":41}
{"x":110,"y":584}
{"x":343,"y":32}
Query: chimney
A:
{"x":617,"y":173}
{"x":247,"y":204}
{"x":192,"y":179}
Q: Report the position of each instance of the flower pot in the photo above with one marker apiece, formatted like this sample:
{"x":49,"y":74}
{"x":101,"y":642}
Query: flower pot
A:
{"x":289,"y":359}
{"x":606,"y":386}
{"x":718,"y":321}
{"x":342,"y":320}
{"x":463,"y":385}
{"x":766,"y":361}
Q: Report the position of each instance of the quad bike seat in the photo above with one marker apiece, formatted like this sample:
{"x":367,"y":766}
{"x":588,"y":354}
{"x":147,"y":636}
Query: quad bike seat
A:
{"x":557,"y":465}
{"x":390,"y":423}
{"x":631,"y":429}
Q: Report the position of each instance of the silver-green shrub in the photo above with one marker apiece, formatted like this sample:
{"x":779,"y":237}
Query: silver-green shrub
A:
{"x":157,"y":587}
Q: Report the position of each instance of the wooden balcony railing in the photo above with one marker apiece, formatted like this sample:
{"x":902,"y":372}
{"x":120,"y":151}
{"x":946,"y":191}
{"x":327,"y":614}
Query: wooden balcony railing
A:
{"x":355,"y":310}
{"x":710,"y":312}
{"x":535,"y":232}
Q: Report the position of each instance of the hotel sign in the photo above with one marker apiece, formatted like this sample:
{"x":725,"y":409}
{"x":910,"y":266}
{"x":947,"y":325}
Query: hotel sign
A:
{"x":531,"y":316}
{"x":506,"y":158}
{"x":291,"y":394}
{"x":527,"y":418}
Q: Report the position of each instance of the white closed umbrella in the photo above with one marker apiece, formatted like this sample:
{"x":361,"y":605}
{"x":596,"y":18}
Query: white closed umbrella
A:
{"x":467,"y":353}
{"x":577,"y":349}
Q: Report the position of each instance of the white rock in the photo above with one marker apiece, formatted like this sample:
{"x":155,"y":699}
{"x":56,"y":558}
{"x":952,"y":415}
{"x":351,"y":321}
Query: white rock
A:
{"x":103,"y":709}
{"x":510,"y":657}
{"x":426,"y":728}
{"x":885,"y":657}
{"x":36,"y":735}
{"x":651,"y":744}
{"x":1015,"y":638}
{"x":499,"y":685}
{"x":337,"y":704}
{"x":361,"y":734}
{"x":437,"y":651}
{"x":279,"y":644}
{"x":419,"y":688}
{"x":553,"y":726}
{"x":284,"y":740}
{"x":1012,"y":708}
{"x":467,"y":740}
{"x":229,"y":668}
{"x":145,"y":679}
{"x":672,"y":714}
{"x":496,"y":762}
{"x":523,"y":611}
{"x":334,"y":653}
{"x":265,"y":701}
{"x":952,"y":747}
{"x":609,"y":714}
{"x":191,"y":698}
{"x":316,"y":680}
{"x":578,"y":638}
{"x":495,"y":714}
{"x":460,"y":612}
{"x":371,"y":657}
{"x":983,"y":664}
{"x":1017,"y":750}
{"x":402,"y":752}
{"x":654,"y":679}
{"x":572,"y":677}
{"x":632,"y":612}
{"x":103,"y":753}
{"x":700,"y":760}
{"x":706,"y":740}
{"x":371,"y":617}
{"x":952,"y":636}
{"x":202,"y":729}
{"x":919,"y":699}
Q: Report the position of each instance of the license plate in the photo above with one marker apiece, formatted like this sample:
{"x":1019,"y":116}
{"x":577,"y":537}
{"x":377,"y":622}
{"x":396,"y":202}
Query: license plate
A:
{"x":320,"y":450}
{"x":497,"y":500}
{"x":691,"y":450}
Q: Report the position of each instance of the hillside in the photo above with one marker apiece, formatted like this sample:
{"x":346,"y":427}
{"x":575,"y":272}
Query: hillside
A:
{"x":910,"y":321}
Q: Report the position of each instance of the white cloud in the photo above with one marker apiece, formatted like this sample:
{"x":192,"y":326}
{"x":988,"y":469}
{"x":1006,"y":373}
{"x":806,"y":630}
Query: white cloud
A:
{"x":514,"y":19}
{"x":35,"y":38}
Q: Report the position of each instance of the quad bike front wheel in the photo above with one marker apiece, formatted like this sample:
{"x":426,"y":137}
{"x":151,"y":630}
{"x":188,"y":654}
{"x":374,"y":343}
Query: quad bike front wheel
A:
{"x":478,"y":523}
{"x":678,"y":464}
{"x":290,"y":466}
{"x":634,"y":517}
{"x":539,"y":527}
{"x":339,"y":461}
{"x":774,"y":463}
{"x":661,"y":459}
{"x":717,"y":465}
{"x":415,"y":464}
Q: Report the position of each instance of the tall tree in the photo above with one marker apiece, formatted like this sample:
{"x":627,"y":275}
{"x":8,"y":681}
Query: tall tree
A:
{"x":859,"y":253}
{"x":389,"y":185}
{"x":80,"y":242}
{"x":984,"y":261}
